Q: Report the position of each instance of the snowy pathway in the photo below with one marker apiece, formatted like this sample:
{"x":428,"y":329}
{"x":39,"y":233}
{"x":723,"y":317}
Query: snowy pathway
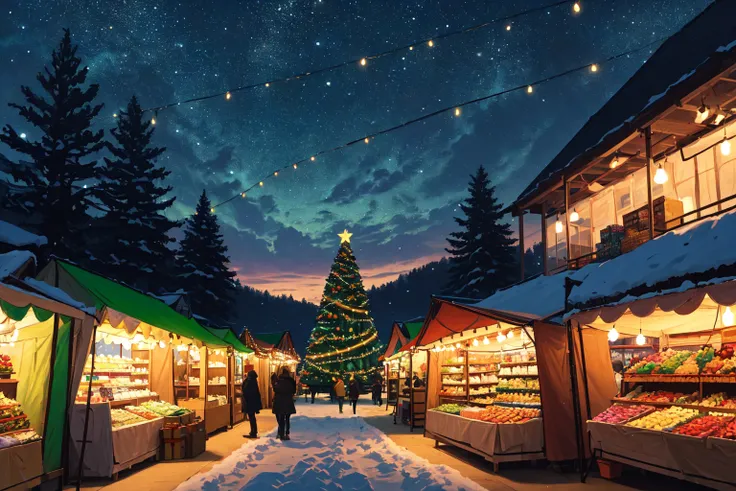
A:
{"x":327,"y":452}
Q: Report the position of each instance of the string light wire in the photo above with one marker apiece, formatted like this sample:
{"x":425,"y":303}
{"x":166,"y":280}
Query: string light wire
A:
{"x":363,"y":60}
{"x":445,"y":110}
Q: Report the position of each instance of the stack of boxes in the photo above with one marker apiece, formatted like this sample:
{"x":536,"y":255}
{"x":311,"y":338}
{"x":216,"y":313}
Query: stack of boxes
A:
{"x":610,"y":244}
{"x":182,"y":438}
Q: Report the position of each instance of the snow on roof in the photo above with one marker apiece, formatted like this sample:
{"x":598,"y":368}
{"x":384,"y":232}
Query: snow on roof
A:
{"x":17,"y":237}
{"x":12,"y":261}
{"x":667,"y":75}
{"x":59,"y":295}
{"x":677,"y":260}
{"x":538,"y":298}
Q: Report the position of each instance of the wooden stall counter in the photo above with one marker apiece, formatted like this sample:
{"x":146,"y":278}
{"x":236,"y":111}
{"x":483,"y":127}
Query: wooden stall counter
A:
{"x":22,"y":466}
{"x":215,"y":416}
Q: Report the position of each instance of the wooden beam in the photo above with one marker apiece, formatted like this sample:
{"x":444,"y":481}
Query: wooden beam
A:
{"x":567,"y":220}
{"x":544,"y":238}
{"x":650,"y":162}
{"x":521,"y":245}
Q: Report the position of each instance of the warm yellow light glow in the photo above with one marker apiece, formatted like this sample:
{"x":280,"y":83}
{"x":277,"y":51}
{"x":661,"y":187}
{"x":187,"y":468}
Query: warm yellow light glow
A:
{"x":703,"y":113}
{"x":475,"y":342}
{"x":276,"y":173}
{"x":366,"y":140}
{"x":558,"y":227}
{"x":576,"y":7}
{"x":228,"y":96}
{"x":612,"y":334}
{"x":501,"y":337}
{"x":508,"y":27}
{"x":345,"y":236}
{"x":411,"y":48}
{"x":574,"y":216}
{"x":153,"y":121}
{"x":363,"y":62}
{"x":728,"y":317}
{"x":458,"y":345}
{"x":260,"y":183}
{"x":510,"y":334}
{"x":295,"y":166}
{"x":726,"y":148}
{"x":640,"y":339}
{"x":212,"y":210}
{"x":242,"y":195}
{"x":268,"y":84}
{"x":312,"y":158}
{"x":457,"y":111}
{"x":614,"y":163}
{"x":529,"y":89}
{"x":430,"y":43}
{"x":486,"y":341}
{"x":661,"y":177}
{"x":593,"y":68}
{"x":114,"y":115}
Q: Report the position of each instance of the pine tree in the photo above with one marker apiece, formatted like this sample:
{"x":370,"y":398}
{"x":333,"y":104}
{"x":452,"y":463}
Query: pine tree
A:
{"x":49,"y":191}
{"x":132,"y":243}
{"x":344,"y":341}
{"x":482,"y":253}
{"x":203,"y":265}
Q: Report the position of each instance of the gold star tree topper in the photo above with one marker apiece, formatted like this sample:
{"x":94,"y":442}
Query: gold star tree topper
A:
{"x":345,"y":236}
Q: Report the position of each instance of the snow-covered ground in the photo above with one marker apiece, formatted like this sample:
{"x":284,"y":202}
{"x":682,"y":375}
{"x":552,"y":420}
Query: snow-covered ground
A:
{"x":327,"y":451}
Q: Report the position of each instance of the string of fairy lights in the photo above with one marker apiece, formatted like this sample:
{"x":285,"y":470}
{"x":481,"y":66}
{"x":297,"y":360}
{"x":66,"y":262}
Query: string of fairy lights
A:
{"x":454,"y":110}
{"x":362,"y":62}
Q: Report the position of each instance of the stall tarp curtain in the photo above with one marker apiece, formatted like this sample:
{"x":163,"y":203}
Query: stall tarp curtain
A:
{"x":553,"y":364}
{"x":434,"y":378}
{"x":54,"y":434}
{"x":162,"y":374}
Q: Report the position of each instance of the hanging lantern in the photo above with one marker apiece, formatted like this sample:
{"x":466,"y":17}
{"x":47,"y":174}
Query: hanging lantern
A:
{"x":640,"y":339}
{"x":728,"y":319}
{"x":558,"y":226}
{"x":612,"y":334}
{"x":660,"y":177}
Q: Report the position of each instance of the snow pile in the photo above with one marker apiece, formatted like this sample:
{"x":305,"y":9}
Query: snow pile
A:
{"x":58,"y":294}
{"x":12,"y":261}
{"x":17,"y":237}
{"x":700,"y":247}
{"x":538,"y":298}
{"x":327,"y":453}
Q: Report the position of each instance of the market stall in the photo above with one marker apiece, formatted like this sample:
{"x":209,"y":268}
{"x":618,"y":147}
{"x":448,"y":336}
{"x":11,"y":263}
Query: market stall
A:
{"x":127,"y":392}
{"x":40,"y":343}
{"x":510,"y":351}
{"x":400,"y":365}
{"x":271,"y":352}
{"x":676,"y":411}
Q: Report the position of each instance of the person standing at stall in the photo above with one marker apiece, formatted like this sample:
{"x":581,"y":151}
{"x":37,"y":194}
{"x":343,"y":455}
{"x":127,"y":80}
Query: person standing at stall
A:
{"x":376,"y":390}
{"x":283,"y":403}
{"x":339,"y":390}
{"x":252,"y":402}
{"x":354,"y":392}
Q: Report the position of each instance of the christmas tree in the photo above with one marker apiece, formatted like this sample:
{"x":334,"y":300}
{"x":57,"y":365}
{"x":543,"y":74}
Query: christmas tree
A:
{"x":344,"y":342}
{"x":51,"y":191}
{"x":133,"y":236}
{"x":204,"y":265}
{"x":482,"y":253}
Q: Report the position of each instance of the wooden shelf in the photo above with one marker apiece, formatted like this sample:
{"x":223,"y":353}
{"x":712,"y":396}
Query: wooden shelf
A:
{"x":519,"y":364}
{"x":484,"y":371}
{"x":519,"y":389}
{"x":670,"y":404}
{"x":518,"y":375}
{"x":457,"y":364}
{"x":675,"y":378}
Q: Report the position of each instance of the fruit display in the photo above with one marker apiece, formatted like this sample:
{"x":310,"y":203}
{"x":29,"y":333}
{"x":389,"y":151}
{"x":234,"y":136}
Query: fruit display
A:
{"x":703,"y":426}
{"x":484,"y":378}
{"x":508,"y":415}
{"x":688,"y":367}
{"x":727,"y":431}
{"x":471,"y":412}
{"x":520,"y":356}
{"x":518,"y":384}
{"x":707,"y":361}
{"x":446,"y":369}
{"x":664,"y":419}
{"x":649,"y":363}
{"x":453,"y":379}
{"x":449,"y":408}
{"x":163,"y":408}
{"x":620,"y":413}
{"x":12,"y":417}
{"x":666,"y":396}
{"x":482,"y":390}
{"x":704,"y":356}
{"x":458,"y":391}
{"x":121,"y":417}
{"x":714,"y":400}
{"x":728,"y":403}
{"x":671,"y":364}
{"x":18,"y":438}
{"x":142,"y":412}
{"x":517,"y":398}
{"x":6,"y":366}
{"x":483,"y":400}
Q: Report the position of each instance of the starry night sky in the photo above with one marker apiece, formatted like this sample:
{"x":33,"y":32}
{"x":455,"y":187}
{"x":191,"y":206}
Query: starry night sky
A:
{"x":398,"y":194}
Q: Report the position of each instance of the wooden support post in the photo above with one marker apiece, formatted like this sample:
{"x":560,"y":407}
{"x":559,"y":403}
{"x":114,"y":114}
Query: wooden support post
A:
{"x":650,"y":163}
{"x":567,"y":221}
{"x":544,"y":239}
{"x":521,"y":244}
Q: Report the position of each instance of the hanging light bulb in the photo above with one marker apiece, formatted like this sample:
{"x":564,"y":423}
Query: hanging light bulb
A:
{"x":366,"y":140}
{"x":486,"y":341}
{"x":508,"y":27}
{"x":615,"y":162}
{"x":312,"y":158}
{"x":576,"y":7}
{"x":457,"y":112}
{"x":613,"y":334}
{"x":529,"y":89}
{"x":295,"y":166}
{"x":260,"y":183}
{"x":458,"y":345}
{"x":510,"y":334}
{"x":728,"y":317}
{"x":363,"y":62}
{"x":501,"y":337}
{"x":162,"y":344}
{"x":242,"y":195}
{"x":725,"y":145}
{"x":430,"y":43}
{"x":702,"y":115}
{"x":153,"y":121}
{"x":593,"y":68}
{"x":228,"y":95}
{"x":574,"y":217}
{"x":558,"y":226}
{"x":660,"y":177}
{"x":475,"y":342}
{"x":640,"y":339}
{"x":720,"y":116}
{"x":212,"y":210}
{"x":268,"y":84}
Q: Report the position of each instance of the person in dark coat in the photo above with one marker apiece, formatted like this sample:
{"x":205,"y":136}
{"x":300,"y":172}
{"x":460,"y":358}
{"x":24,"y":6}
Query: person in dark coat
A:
{"x":354,"y":393}
{"x":283,"y":402}
{"x":376,"y":391}
{"x":252,"y":402}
